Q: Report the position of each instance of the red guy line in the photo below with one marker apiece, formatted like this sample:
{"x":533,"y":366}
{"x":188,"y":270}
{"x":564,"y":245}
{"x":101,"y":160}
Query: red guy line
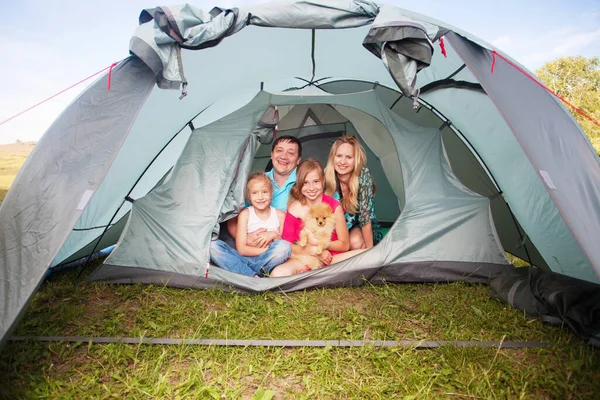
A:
{"x":61,"y":92}
{"x":109,"y":74}
{"x":495,"y":53}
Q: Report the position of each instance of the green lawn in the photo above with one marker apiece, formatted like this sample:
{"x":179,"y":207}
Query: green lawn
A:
{"x":565,"y":369}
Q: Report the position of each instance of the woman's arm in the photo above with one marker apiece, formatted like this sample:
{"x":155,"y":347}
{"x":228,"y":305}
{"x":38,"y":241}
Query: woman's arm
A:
{"x":366,"y":206}
{"x":367,"y":232}
{"x":241,"y":237}
{"x":343,"y":241}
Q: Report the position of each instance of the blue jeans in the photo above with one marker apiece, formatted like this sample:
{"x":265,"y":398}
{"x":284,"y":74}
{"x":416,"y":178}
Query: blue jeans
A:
{"x":226,"y":257}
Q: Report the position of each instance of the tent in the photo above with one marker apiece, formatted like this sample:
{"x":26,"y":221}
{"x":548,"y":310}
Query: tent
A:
{"x":471,"y":155}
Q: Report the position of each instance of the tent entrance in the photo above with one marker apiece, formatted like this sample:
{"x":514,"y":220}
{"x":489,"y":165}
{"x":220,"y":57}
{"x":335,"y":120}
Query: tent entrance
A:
{"x":317,"y":140}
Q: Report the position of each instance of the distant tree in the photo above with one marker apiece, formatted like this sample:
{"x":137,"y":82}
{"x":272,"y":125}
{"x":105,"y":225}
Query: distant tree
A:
{"x":577,"y":79}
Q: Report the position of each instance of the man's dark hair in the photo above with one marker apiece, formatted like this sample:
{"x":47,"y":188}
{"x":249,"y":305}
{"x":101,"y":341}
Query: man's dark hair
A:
{"x":290,"y":139}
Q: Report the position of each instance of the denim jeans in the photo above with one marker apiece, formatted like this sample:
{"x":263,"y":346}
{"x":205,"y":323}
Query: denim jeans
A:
{"x":226,"y":257}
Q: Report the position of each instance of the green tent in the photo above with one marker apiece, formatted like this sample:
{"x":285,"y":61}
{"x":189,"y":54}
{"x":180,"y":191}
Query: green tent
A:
{"x":469,"y":161}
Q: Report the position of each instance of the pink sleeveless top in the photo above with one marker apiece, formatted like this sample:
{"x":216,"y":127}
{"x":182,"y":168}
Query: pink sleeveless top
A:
{"x":293,"y":225}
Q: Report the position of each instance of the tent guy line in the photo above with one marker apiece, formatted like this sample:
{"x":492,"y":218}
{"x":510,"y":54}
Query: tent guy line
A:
{"x":580,"y":111}
{"x":109,"y":68}
{"x":417,"y":344}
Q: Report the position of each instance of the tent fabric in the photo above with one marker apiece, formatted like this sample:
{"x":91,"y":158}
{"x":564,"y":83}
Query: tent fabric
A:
{"x":157,"y":44}
{"x":171,"y":227}
{"x":466,"y":175}
{"x":570,"y":172}
{"x":59,"y":178}
{"x":403,"y":44}
{"x":442,"y":220}
{"x":556,"y":298}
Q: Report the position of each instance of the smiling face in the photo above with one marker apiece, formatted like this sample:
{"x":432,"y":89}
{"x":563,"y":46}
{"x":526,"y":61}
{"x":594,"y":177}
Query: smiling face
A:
{"x":312,"y":188}
{"x":285,"y":157}
{"x":259,"y":194}
{"x":343,"y":160}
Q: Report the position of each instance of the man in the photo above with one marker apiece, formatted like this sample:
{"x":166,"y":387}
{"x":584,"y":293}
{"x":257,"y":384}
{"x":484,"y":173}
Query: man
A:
{"x":285,"y":156}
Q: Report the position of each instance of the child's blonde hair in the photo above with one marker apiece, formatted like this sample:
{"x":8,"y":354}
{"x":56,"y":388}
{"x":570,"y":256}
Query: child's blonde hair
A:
{"x":258,"y":176}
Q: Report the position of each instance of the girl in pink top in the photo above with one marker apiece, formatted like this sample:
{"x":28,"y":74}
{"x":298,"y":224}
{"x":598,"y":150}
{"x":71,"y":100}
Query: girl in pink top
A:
{"x":307,"y":192}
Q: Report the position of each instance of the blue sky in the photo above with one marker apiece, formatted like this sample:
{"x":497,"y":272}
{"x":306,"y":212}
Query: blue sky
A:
{"x":47,"y":46}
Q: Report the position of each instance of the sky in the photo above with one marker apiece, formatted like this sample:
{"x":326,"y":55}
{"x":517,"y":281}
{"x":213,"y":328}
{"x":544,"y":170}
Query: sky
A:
{"x":47,"y":46}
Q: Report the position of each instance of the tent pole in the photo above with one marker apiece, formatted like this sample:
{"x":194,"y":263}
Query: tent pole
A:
{"x":397,"y":100}
{"x":448,"y":123}
{"x":312,"y":56}
{"x":464,"y":139}
{"x":519,"y":231}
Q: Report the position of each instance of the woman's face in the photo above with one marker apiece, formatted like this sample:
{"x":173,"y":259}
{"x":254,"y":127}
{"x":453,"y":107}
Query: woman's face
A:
{"x":312,"y":187}
{"x":343,"y":160}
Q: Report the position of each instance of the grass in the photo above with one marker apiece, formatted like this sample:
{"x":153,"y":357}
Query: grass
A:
{"x":9,"y":166}
{"x":456,"y":311}
{"x":516,"y":261}
{"x":388,"y":312}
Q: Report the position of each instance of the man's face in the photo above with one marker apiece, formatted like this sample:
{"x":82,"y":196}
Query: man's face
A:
{"x":285,"y":157}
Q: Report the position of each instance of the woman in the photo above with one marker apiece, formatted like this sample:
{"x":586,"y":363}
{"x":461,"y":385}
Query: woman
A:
{"x":307,"y":192}
{"x":348,"y":180}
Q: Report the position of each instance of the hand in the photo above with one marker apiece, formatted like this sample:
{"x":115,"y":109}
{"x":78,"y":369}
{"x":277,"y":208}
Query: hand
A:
{"x":325,"y":257}
{"x":251,"y":238}
{"x":264,"y":239}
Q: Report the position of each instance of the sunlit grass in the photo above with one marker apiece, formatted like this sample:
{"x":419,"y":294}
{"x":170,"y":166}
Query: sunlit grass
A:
{"x":565,"y":369}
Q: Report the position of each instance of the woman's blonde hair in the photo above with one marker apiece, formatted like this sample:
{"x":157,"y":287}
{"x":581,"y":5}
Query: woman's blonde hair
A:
{"x":304,"y":168}
{"x":350,"y":201}
{"x":261,"y":177}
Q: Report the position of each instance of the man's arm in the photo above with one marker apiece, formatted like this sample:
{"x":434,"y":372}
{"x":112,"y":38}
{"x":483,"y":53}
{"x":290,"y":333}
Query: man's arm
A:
{"x":232,"y":227}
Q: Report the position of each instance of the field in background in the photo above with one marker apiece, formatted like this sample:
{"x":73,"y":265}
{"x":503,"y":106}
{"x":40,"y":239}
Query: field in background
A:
{"x":12,"y":157}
